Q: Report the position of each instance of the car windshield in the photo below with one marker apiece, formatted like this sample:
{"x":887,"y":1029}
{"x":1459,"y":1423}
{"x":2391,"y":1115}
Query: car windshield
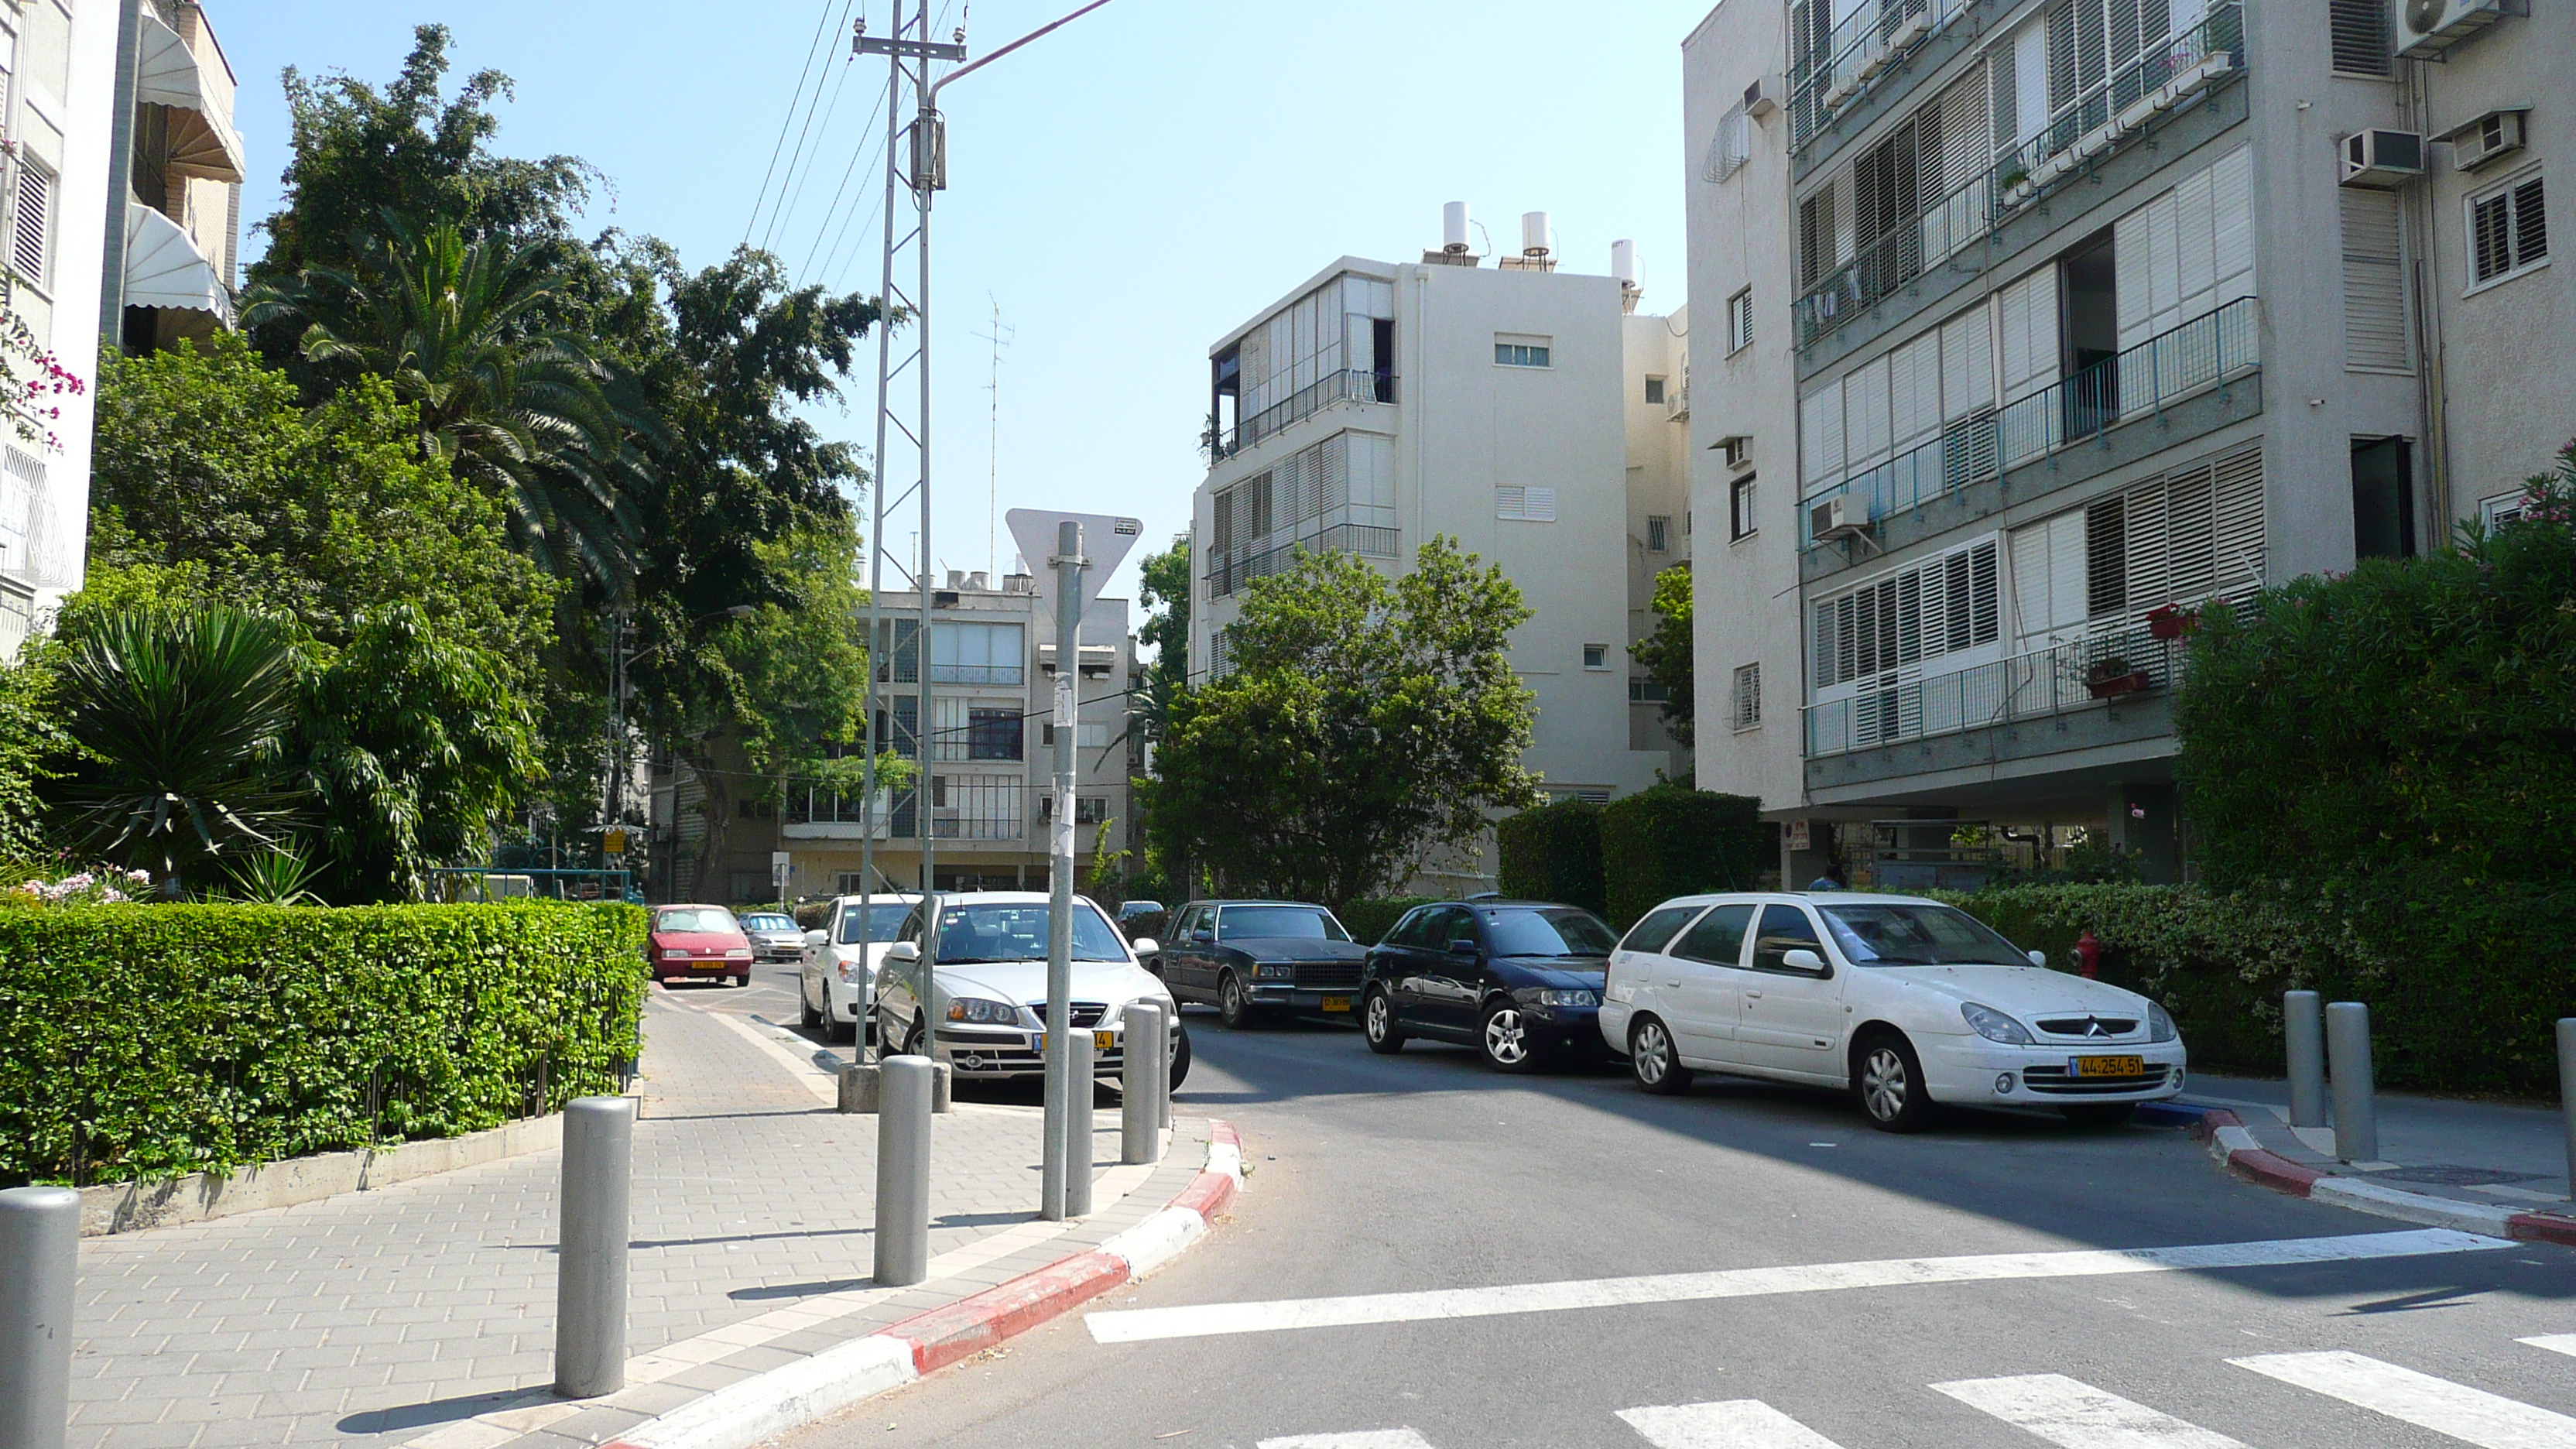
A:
{"x":884,"y":922}
{"x":1557,"y":931}
{"x":714,"y":919}
{"x":768,"y":923}
{"x":1904,"y":935}
{"x":1301,"y":923}
{"x":973,"y":934}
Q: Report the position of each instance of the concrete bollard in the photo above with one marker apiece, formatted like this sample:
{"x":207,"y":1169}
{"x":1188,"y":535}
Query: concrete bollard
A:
{"x":1140,"y":1134}
{"x":39,"y":1268}
{"x":590,"y":1266}
{"x":861,"y":1087}
{"x":903,"y":1171}
{"x":2567,"y":1091}
{"x":1083,"y":1077}
{"x":2356,"y":1111}
{"x":1163,"y":1068}
{"x":2303,"y":1035}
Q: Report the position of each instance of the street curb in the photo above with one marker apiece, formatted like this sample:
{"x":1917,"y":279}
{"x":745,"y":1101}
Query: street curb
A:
{"x":2241,"y":1153}
{"x":813,"y":1389}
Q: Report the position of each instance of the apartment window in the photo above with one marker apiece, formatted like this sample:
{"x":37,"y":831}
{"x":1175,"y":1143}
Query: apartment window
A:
{"x":1515,"y":351}
{"x":1747,"y":703}
{"x":1596,"y":656}
{"x":1739,"y":321}
{"x":1090,"y":734}
{"x":1939,"y":607}
{"x":1740,"y":518}
{"x":1525,"y":505}
{"x":993,"y":734}
{"x":1816,"y":244}
{"x":2508,"y":232}
{"x":963,"y":653}
{"x":1654,"y":389}
{"x":2360,"y":32}
{"x":33,"y":220}
{"x":1087,"y":809}
{"x":2374,"y":282}
{"x":1659,"y":533}
{"x":2502,"y":509}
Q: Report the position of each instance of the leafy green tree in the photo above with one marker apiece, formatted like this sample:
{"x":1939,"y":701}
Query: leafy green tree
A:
{"x":1369,"y":726}
{"x":1165,"y":591}
{"x":28,"y":738}
{"x":1667,"y":654}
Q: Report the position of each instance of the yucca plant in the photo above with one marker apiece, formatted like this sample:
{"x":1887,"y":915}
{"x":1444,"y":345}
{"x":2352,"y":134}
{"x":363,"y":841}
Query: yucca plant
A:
{"x":279,"y":877}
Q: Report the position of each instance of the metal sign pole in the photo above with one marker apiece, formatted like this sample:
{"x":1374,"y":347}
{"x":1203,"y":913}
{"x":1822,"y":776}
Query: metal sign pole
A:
{"x":1060,"y":1086}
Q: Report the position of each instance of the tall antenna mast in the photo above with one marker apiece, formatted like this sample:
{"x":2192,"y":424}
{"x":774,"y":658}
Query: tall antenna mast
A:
{"x":1000,"y":337}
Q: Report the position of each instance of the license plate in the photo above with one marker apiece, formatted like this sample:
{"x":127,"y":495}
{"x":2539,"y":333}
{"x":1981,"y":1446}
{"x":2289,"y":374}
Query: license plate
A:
{"x":1101,"y":1041}
{"x":1337,"y":1003}
{"x":2106,"y":1066}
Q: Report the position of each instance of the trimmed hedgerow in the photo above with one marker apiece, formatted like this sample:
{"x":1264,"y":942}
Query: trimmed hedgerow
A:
{"x":1675,"y":841}
{"x":1369,"y":920}
{"x":153,"y":1041}
{"x":1553,"y":853}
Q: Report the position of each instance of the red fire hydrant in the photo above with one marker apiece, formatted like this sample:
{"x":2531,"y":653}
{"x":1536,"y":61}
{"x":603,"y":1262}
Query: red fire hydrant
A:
{"x":2088,"y":955}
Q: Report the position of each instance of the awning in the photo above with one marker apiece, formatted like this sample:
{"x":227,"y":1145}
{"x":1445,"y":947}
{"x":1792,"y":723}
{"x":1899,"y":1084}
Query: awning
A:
{"x":167,"y":73}
{"x":163,"y":267}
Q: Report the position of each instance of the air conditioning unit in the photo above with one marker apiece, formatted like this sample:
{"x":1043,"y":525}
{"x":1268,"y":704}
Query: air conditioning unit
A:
{"x":1837,"y":518}
{"x":2382,"y":160}
{"x":2486,"y":138}
{"x":2429,"y":27}
{"x":1763,"y":96}
{"x":1915,"y":28}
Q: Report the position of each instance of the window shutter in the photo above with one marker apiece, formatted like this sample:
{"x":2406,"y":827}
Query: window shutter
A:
{"x":2231,"y":205}
{"x":35,"y":207}
{"x":2374,"y":281}
{"x":1511,"y":502}
{"x":1821,"y":434}
{"x":1542,"y":505}
{"x":2238,"y":484}
{"x":2106,"y":558}
{"x":2030,"y":352}
{"x":1914,"y":387}
{"x":1865,"y":408}
{"x":1967,"y":364}
{"x":2360,"y":32}
{"x":2530,"y":224}
{"x":2030,"y":580}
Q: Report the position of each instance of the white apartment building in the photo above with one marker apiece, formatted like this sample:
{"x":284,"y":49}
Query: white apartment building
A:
{"x":2087,"y":312}
{"x":1528,"y":412}
{"x":177,"y":259}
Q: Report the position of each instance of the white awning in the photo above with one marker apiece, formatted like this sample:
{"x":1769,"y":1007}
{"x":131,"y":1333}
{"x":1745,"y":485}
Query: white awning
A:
{"x":202,"y":142}
{"x":163,"y":267}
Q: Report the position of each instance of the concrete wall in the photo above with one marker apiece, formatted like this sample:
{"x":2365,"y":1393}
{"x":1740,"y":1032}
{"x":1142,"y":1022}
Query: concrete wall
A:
{"x":1658,"y":487}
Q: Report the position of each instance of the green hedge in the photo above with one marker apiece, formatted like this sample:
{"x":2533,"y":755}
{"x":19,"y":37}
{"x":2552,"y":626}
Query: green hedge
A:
{"x":1673,"y":841}
{"x":1369,"y":920}
{"x":152,"y":1041}
{"x":1553,"y":853}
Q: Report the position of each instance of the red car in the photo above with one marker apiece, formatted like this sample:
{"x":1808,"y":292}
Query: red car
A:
{"x":697,"y":942}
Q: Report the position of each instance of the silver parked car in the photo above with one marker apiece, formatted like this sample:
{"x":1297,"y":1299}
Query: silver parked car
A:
{"x":775,"y":936}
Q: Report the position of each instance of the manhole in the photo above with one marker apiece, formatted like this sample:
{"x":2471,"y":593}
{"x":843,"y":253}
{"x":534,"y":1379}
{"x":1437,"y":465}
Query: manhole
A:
{"x":2453,"y":1176}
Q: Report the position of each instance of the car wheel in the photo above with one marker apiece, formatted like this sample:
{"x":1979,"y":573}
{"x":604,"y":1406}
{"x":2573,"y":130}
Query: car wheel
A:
{"x":1233,"y":1004}
{"x":742,"y":979}
{"x":916,"y":1042}
{"x":2100,"y":1114}
{"x":1888,"y":1079}
{"x":1377,"y":1023}
{"x":835,"y":1030}
{"x":1652,"y":1056}
{"x":1506,"y":1039}
{"x":809,"y":1018}
{"x":1180,"y":1056}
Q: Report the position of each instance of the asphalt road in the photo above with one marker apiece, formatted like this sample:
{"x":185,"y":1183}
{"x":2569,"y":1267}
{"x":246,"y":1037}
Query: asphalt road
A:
{"x":1425,"y":1172}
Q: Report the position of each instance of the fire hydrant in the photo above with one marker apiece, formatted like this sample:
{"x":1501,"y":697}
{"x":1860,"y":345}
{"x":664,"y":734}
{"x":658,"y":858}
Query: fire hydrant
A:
{"x":2088,"y":955}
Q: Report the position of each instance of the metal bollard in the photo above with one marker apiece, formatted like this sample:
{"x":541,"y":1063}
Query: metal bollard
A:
{"x":40,"y":1246}
{"x":2356,"y":1113}
{"x":2567,"y":1091}
{"x":590,"y":1267}
{"x":1082,"y":1077}
{"x":2303,"y":1034}
{"x":1140,"y":1136}
{"x":903,"y":1171}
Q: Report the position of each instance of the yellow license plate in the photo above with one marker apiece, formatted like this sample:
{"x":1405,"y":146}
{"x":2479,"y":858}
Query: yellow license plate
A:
{"x":1337,"y":1003}
{"x":2107,"y":1067}
{"x":1101,"y":1041}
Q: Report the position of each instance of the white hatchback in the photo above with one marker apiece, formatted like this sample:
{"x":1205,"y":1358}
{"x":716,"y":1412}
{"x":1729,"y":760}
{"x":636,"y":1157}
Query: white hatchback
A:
{"x":1904,"y":1002}
{"x":837,"y":972}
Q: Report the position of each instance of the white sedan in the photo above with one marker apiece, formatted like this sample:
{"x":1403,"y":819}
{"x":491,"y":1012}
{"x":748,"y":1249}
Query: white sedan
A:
{"x":1903,"y":1002}
{"x":988,"y":988}
{"x":837,"y":971}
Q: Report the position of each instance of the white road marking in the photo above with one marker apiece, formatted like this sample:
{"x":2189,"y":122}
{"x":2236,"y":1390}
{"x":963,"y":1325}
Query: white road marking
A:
{"x":1205,"y":1320}
{"x":2554,"y":1342}
{"x":2076,"y":1415}
{"x":1369,"y":1439}
{"x":1733,"y":1424}
{"x":2472,"y":1416}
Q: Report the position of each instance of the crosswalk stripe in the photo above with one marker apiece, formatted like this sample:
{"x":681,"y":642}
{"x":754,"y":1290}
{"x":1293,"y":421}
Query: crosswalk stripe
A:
{"x":1137,"y":1325}
{"x":2472,"y":1416}
{"x":1734,"y":1424}
{"x":2076,"y":1415}
{"x":1364,"y":1440}
{"x":2554,"y":1342}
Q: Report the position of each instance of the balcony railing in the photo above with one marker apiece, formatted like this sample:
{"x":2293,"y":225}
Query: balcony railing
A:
{"x":1867,"y":41}
{"x":2124,"y":104}
{"x":2045,"y":682}
{"x":2213,"y":348}
{"x":1349,"y":385}
{"x":1232,"y":575}
{"x":978,"y":673}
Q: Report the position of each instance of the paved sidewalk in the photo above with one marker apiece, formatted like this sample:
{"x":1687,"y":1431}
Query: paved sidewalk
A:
{"x":423,"y":1314}
{"x":2492,"y":1154}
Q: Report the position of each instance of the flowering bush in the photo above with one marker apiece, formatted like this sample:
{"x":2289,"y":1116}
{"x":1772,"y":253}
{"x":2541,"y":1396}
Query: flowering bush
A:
{"x":38,"y":383}
{"x":105,"y":886}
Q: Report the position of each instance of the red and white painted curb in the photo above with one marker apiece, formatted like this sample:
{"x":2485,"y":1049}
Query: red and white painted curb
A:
{"x":816,"y":1388}
{"x":2244,"y":1154}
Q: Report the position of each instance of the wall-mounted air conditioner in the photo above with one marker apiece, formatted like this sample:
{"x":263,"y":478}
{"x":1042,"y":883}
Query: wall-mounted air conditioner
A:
{"x":2428,"y":27}
{"x":1763,"y":96}
{"x":2486,"y":138}
{"x":1837,"y":518}
{"x":2382,"y":160}
{"x":1915,"y":28}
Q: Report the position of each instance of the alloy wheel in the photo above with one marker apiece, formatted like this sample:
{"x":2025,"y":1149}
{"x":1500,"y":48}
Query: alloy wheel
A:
{"x":1653,"y":1054}
{"x":1377,"y":1017}
{"x":1506,"y":1040}
{"x":1884,"y":1083}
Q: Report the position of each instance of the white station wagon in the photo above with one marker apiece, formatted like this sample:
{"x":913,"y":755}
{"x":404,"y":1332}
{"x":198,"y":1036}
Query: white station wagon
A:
{"x":1903,"y":1002}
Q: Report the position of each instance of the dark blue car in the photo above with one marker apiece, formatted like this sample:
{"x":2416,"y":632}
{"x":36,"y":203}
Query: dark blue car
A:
{"x":1520,"y":981}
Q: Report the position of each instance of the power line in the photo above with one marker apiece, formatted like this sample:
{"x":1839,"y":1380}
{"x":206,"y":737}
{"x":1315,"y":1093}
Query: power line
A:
{"x":792,"y":190}
{"x":847,"y":173}
{"x":822,"y":27}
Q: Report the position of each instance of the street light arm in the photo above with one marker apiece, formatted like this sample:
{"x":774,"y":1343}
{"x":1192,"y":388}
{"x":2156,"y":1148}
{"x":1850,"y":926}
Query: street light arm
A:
{"x":974,"y":65}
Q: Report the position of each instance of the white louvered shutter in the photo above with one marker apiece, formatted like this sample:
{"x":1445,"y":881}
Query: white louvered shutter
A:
{"x":2374,"y":281}
{"x":2231,"y":203}
{"x":2238,"y":481}
{"x":1865,"y":414}
{"x":2029,"y":326}
{"x":1820,"y":427}
{"x":1914,"y":392}
{"x":1967,"y":364}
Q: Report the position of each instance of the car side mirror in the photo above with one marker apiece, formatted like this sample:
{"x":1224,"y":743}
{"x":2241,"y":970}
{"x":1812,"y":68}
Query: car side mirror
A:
{"x":904,"y":951}
{"x":1202,"y":934}
{"x":1147,"y":945}
{"x":1463,"y":946}
{"x":2039,"y":958}
{"x":1803,"y":959}
{"x":817,"y":938}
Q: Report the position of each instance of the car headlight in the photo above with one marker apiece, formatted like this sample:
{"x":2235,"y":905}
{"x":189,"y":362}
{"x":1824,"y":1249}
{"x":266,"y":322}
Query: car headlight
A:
{"x":1276,"y":971}
{"x":1567,"y":998}
{"x":1993,"y":1025}
{"x":2160,"y":1024}
{"x":738,"y":953}
{"x":852,"y":970}
{"x":674,"y":953}
{"x":984,"y":1013}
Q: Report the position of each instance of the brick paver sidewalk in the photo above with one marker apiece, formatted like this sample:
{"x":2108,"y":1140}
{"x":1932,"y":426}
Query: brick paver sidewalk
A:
{"x":423,"y":1314}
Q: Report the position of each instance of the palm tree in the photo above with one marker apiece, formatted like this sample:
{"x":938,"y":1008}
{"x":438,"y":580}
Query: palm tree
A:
{"x":179,"y":718}
{"x":465,"y":330}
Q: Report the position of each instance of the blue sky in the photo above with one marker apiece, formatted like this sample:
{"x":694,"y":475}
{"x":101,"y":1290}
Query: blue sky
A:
{"x":1126,"y":190}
